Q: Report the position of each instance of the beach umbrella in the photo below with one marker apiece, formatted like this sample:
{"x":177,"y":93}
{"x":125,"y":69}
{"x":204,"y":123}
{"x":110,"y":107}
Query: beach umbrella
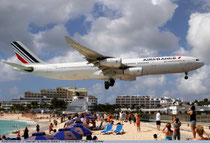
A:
{"x":78,"y":124}
{"x":41,"y":136}
{"x":80,"y":129}
{"x":67,"y":134}
{"x":17,"y":138}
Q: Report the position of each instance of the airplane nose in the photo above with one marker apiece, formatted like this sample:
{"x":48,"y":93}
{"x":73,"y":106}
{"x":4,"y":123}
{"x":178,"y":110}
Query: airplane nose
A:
{"x":201,"y":64}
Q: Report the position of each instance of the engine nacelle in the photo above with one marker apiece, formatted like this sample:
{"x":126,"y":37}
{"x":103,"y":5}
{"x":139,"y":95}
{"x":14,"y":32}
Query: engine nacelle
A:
{"x":133,"y":71}
{"x":111,"y":62}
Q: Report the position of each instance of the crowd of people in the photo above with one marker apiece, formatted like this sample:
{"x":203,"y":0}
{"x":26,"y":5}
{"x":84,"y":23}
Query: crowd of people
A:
{"x":198,"y":132}
{"x":89,"y":121}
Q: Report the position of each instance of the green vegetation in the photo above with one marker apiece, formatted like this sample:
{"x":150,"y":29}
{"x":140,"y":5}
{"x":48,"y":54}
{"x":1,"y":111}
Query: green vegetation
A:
{"x":105,"y":108}
{"x":201,"y":103}
{"x":58,"y":104}
{"x":54,"y":105}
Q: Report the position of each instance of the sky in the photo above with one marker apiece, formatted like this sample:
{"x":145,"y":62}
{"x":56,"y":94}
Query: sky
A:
{"x":119,"y":28}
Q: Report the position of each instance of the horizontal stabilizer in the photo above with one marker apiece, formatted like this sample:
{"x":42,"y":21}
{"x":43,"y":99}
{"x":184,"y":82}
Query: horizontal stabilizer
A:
{"x":20,"y":67}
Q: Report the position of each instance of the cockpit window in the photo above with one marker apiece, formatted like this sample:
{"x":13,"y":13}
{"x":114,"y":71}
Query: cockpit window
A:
{"x":197,"y":59}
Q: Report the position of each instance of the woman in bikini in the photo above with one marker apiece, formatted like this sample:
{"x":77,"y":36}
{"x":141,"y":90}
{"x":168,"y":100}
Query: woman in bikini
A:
{"x":138,"y":123}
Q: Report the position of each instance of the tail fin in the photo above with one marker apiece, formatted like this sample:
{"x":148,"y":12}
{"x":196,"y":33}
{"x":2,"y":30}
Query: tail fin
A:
{"x":24,"y":54}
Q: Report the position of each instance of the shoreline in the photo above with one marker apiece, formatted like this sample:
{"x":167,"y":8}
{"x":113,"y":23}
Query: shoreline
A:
{"x":29,"y":124}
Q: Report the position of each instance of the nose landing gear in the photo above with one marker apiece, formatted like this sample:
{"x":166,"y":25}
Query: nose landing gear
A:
{"x":186,"y":76}
{"x":109,"y":83}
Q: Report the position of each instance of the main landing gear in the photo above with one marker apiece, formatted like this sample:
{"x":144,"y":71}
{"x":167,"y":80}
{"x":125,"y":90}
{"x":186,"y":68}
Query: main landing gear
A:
{"x":109,"y":83}
{"x":186,"y":76}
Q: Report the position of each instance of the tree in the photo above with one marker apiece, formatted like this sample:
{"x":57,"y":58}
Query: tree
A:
{"x":206,"y":100}
{"x":44,"y":105}
{"x":34,"y":104}
{"x":28,"y":107}
{"x":106,"y":108}
{"x":58,"y":104}
{"x":17,"y":107}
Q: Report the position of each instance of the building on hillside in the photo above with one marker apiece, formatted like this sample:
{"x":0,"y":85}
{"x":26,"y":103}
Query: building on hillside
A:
{"x":137,"y":101}
{"x":81,"y":105}
{"x":46,"y":95}
{"x":93,"y":102}
{"x":59,"y":92}
{"x":72,"y":91}
{"x":168,"y":101}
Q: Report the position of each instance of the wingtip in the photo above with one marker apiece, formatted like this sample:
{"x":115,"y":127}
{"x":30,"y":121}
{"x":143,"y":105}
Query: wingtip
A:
{"x":69,"y":40}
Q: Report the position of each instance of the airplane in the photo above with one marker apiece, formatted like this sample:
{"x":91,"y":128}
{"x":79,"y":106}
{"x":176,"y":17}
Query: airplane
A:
{"x":102,"y":67}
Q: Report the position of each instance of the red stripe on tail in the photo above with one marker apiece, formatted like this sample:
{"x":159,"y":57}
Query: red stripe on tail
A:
{"x":21,"y":59}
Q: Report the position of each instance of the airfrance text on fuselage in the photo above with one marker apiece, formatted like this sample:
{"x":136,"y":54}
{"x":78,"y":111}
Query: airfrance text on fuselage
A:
{"x":161,"y":58}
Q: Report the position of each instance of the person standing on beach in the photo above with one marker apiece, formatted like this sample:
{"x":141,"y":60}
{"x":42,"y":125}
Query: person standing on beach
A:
{"x":121,"y":117}
{"x":105,"y":117}
{"x":108,"y":118}
{"x":176,"y":124}
{"x":37,"y":128}
{"x":134,"y":119}
{"x":158,"y":122}
{"x":192,"y":114}
{"x":138,"y":123}
{"x":129,"y":117}
{"x":25,"y":134}
{"x":50,"y":128}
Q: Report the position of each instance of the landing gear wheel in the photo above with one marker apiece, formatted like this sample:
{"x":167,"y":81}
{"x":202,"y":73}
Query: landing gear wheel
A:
{"x":111,"y":82}
{"x":186,"y":77}
{"x":106,"y":84}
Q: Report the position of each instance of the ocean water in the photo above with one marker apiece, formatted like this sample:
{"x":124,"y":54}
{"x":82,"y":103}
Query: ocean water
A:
{"x":7,"y":126}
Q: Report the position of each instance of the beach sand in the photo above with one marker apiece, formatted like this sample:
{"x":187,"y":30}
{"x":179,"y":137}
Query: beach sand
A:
{"x":148,"y":129}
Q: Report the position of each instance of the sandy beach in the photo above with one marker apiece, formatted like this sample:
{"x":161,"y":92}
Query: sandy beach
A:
{"x":148,"y":129}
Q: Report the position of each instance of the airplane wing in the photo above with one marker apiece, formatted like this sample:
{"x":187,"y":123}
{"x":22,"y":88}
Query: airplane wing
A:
{"x":94,"y":57}
{"x":20,"y":67}
{"x":89,"y":54}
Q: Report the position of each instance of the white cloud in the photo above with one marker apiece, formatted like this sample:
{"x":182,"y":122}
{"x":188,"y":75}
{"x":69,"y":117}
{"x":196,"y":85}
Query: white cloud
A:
{"x":52,"y":39}
{"x":198,"y":35}
{"x":70,"y":56}
{"x":197,"y":84}
{"x":7,"y":73}
{"x":131,"y":29}
{"x":16,"y":17}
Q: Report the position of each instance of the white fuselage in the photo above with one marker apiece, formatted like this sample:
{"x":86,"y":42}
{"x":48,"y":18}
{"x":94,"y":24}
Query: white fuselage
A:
{"x":150,"y":66}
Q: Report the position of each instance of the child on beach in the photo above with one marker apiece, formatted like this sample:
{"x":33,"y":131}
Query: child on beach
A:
{"x":168,"y":133}
{"x":176,"y":124}
{"x":201,"y":133}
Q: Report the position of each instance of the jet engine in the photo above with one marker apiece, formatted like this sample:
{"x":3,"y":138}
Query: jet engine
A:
{"x":133,"y":71}
{"x":111,"y":62}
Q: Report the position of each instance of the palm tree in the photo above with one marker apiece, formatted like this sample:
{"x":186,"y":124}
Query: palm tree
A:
{"x":34,"y":104}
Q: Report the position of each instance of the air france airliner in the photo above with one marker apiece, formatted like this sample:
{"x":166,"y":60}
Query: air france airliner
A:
{"x":98,"y":66}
